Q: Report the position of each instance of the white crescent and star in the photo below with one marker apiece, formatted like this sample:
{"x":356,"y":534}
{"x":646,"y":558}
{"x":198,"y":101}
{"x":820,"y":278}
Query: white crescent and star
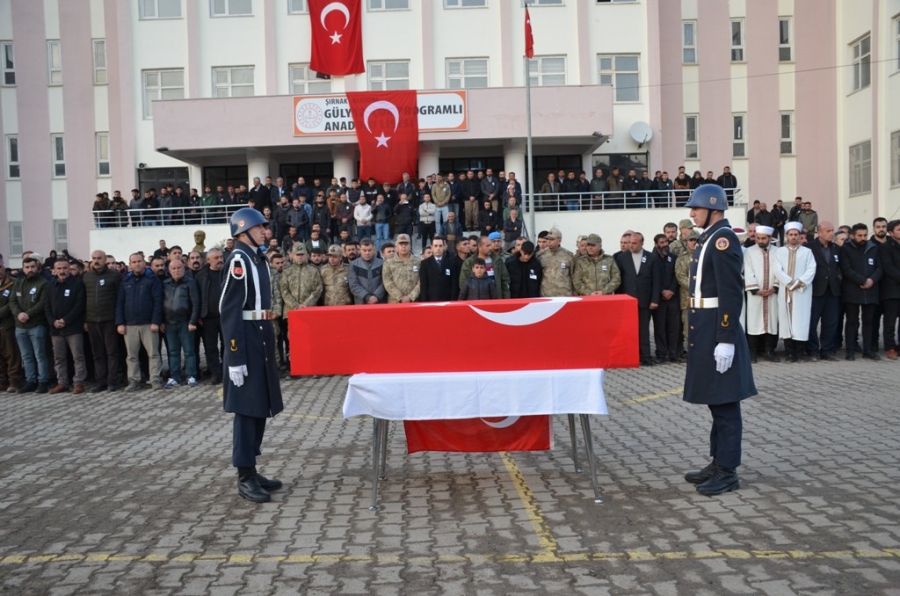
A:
{"x":381,"y":105}
{"x":505,"y":423}
{"x":528,"y":314}
{"x":336,"y":37}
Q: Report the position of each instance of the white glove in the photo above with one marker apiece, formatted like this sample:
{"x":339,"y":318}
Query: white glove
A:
{"x":237,"y":374}
{"x":724,"y":355}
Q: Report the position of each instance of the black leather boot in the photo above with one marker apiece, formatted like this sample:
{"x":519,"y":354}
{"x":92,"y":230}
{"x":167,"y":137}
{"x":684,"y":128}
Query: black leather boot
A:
{"x":723,"y":481}
{"x":268,"y":485}
{"x":701,"y":476}
{"x":249,"y":488}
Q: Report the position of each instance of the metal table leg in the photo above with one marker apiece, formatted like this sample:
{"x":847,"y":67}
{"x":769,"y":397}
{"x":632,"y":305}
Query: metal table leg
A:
{"x":589,"y":448}
{"x":572,"y":437}
{"x":385,"y":426}
{"x":376,"y":457}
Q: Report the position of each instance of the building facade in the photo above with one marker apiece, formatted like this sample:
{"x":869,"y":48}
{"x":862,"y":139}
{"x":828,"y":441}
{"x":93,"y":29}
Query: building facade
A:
{"x":103,"y":95}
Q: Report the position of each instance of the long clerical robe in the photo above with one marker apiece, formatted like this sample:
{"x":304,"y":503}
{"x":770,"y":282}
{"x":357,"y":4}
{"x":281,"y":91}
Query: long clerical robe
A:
{"x":795,"y":269}
{"x":759,"y":274}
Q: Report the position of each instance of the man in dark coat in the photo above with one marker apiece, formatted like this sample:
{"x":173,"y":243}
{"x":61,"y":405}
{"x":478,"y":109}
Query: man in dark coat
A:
{"x":641,"y":279}
{"x":861,"y":271}
{"x":826,"y":286}
{"x":890,"y":286}
{"x":252,"y":390}
{"x":525,"y":273}
{"x":439,"y":274}
{"x":718,"y":370}
{"x":65,"y":316}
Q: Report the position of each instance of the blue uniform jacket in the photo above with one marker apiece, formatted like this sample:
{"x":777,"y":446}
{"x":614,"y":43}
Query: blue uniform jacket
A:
{"x":721,"y":278}
{"x":250,"y":343}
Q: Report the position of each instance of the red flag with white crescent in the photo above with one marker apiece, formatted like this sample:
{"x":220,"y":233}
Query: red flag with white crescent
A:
{"x":529,"y":35}
{"x":387,"y":130}
{"x":336,"y":27}
{"x":512,"y":433}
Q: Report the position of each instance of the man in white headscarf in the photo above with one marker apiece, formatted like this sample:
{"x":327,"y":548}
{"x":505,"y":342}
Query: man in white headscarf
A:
{"x":795,"y":269}
{"x":761,"y":287}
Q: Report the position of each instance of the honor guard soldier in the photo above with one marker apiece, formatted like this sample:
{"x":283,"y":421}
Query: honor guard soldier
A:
{"x":252,"y":390}
{"x":718,"y":371}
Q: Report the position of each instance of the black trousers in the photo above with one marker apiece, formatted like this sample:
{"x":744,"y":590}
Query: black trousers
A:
{"x":644,"y":332}
{"x":854,"y":313}
{"x":666,"y":319}
{"x":826,"y":308}
{"x":211,"y":332}
{"x":891,"y":314}
{"x":877,"y":313}
{"x":283,"y":342}
{"x":105,"y":348}
{"x":246,"y":440}
{"x":725,"y":435}
{"x":762,"y":344}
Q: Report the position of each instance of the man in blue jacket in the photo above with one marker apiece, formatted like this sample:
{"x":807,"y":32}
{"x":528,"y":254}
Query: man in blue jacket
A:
{"x":139,"y":313}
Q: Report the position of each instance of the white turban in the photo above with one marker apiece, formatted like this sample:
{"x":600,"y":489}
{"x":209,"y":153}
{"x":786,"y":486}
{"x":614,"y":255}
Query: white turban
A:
{"x":765,"y":230}
{"x":794,"y":225}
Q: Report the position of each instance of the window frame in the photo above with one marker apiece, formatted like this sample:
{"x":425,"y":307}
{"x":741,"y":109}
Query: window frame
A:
{"x":739,"y":135}
{"x":51,"y":69}
{"x":7,"y":45}
{"x":142,"y":13}
{"x":687,"y":140}
{"x":16,"y":238}
{"x":384,"y":78}
{"x":9,"y":141}
{"x":857,"y":169}
{"x":304,"y":10}
{"x":459,"y":4}
{"x":897,"y":43}
{"x":306,"y":81}
{"x":858,"y":62}
{"x":228,"y":13}
{"x":100,"y":72}
{"x":537,"y":3}
{"x":58,"y":141}
{"x":740,"y":48}
{"x":685,"y":47}
{"x":895,"y":158}
{"x":789,"y":139}
{"x":539,"y":73}
{"x":148,"y":103}
{"x":230,"y":85}
{"x":61,"y":234}
{"x":99,"y":138}
{"x":462,"y":77}
{"x":383,"y":7}
{"x":614,"y":74}
{"x":786,"y":45}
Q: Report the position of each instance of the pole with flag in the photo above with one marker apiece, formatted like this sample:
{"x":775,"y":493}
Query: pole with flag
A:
{"x":529,"y":54}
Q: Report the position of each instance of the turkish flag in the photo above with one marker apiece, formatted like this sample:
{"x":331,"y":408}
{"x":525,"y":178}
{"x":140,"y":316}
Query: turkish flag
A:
{"x":387,"y":130}
{"x":529,"y":36}
{"x":336,"y":27}
{"x":513,"y":433}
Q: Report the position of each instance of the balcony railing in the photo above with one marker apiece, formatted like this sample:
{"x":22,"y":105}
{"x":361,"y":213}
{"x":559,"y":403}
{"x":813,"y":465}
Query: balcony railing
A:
{"x":167,"y":216}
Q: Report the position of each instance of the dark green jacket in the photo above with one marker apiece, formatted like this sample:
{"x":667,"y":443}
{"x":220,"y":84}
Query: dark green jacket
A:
{"x":501,"y":274}
{"x":101,"y":292}
{"x":28,"y":296}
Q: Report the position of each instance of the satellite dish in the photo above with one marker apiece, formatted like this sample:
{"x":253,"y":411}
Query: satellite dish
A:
{"x":641,"y":133}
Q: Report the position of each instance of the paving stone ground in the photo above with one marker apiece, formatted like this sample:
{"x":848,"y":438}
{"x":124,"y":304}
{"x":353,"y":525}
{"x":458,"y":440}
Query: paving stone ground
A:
{"x":134,"y":494}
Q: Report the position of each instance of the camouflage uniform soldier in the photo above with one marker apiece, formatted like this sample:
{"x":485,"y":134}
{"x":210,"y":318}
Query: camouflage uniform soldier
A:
{"x":683,"y":275}
{"x":276,"y":262}
{"x":335,"y":278}
{"x":680,"y":246}
{"x":400,"y":274}
{"x":301,"y":284}
{"x":596,"y":273}
{"x":558,"y":264}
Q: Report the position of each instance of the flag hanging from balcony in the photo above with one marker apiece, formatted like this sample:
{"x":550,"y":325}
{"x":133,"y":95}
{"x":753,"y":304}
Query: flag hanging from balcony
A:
{"x":336,"y":35}
{"x":387,"y":130}
{"x":529,"y":36}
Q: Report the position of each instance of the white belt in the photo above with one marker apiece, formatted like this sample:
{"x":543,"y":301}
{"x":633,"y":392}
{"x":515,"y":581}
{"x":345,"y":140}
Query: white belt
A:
{"x":258,"y":315}
{"x":704,"y":303}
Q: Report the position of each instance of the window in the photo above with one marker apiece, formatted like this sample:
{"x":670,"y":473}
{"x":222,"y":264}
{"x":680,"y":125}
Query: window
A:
{"x":297,"y":7}
{"x":547,"y":2}
{"x":158,"y":177}
{"x":861,"y":66}
{"x":12,"y":157}
{"x":737,"y":41}
{"x":388,"y":5}
{"x":9,"y":62}
{"x":689,"y":42}
{"x":103,"y":154}
{"x":738,"y":136}
{"x":547,"y":71}
{"x":162,"y":84}
{"x":692,"y":136}
{"x":895,"y":158}
{"x":54,"y":62}
{"x":608,"y":1}
{"x":623,"y":72}
{"x":785,"y":50}
{"x":61,"y":234}
{"x":160,"y":9}
{"x":230,"y":176}
{"x":861,"y":168}
{"x":100,"y":62}
{"x":897,"y":43}
{"x":385,"y":76}
{"x":787,"y":133}
{"x":58,"y":147}
{"x":467,"y":73}
{"x":465,"y":3}
{"x":16,"y":239}
{"x":304,"y":81}
{"x":235,"y":81}
{"x":231,"y":8}
{"x":460,"y":165}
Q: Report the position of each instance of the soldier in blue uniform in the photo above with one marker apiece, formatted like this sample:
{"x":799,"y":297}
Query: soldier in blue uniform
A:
{"x":718,"y":361}
{"x":252,"y":389}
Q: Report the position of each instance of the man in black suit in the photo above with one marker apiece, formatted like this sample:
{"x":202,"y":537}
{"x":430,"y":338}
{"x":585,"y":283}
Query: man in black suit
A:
{"x":826,"y":286}
{"x":259,"y":194}
{"x":439,"y":274}
{"x":641,"y":279}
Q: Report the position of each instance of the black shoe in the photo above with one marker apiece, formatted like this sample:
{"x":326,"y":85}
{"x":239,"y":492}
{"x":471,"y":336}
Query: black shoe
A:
{"x":268,"y":485}
{"x":113,"y":388}
{"x":723,"y":481}
{"x":26,"y":387}
{"x":216,"y":380}
{"x":773,"y":357}
{"x":249,"y":488}
{"x":812,"y":358}
{"x":871,"y":356}
{"x":42,"y":388}
{"x":829,"y":357}
{"x":851,"y":355}
{"x":647,"y":362}
{"x":701,"y":476}
{"x":98,"y":388}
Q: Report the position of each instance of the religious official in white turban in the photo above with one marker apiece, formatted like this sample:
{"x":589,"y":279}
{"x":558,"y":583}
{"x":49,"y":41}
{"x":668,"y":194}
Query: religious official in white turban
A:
{"x":795,"y":268}
{"x":761,"y":287}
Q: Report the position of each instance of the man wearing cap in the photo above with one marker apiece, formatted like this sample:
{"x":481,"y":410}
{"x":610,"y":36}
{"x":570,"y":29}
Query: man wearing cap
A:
{"x":252,"y":391}
{"x":680,"y":246}
{"x":301,"y":283}
{"x":795,"y":268}
{"x":335,"y":278}
{"x":683,"y":275}
{"x":718,"y":372}
{"x":400,"y":273}
{"x":761,"y":286}
{"x":558,"y":264}
{"x":596,"y":274}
